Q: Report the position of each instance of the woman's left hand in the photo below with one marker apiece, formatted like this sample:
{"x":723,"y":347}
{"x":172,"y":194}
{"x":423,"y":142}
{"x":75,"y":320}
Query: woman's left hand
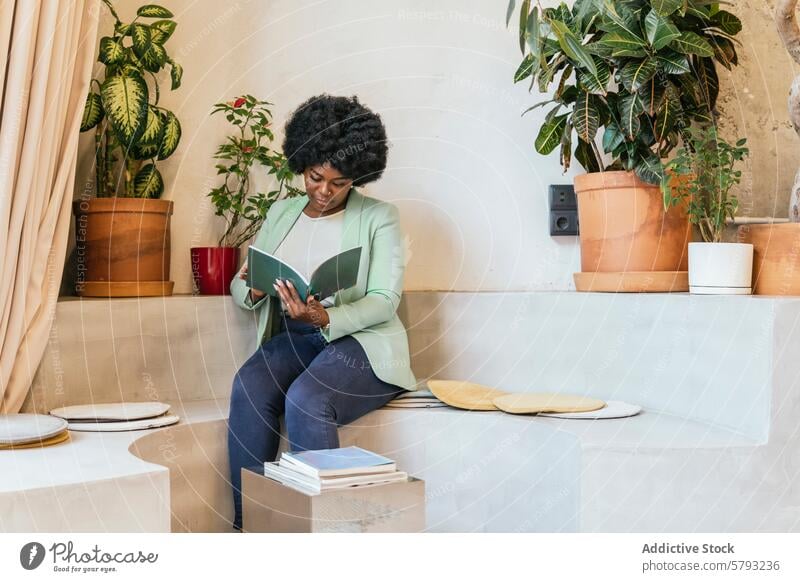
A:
{"x":312,"y":311}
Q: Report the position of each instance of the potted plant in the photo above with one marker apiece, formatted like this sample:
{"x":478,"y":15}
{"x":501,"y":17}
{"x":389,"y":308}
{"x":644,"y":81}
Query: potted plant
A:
{"x":123,"y":234}
{"x":214,"y":267}
{"x":644,"y":71}
{"x":714,"y":267}
{"x":776,"y":247}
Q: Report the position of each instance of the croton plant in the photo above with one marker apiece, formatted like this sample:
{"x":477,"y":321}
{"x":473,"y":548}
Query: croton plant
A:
{"x":132,"y":131}
{"x":644,"y":70}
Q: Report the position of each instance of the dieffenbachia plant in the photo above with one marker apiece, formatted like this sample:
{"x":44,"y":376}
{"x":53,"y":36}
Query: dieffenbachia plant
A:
{"x":129,"y":128}
{"x":644,"y":70}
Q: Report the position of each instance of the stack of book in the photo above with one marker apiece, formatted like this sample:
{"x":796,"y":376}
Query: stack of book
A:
{"x":328,"y":469}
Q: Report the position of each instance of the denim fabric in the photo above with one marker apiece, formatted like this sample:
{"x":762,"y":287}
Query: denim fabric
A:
{"x":319,"y":386}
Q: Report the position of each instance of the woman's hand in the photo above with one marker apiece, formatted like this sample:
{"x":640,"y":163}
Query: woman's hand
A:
{"x":312,"y":311}
{"x":255,"y":294}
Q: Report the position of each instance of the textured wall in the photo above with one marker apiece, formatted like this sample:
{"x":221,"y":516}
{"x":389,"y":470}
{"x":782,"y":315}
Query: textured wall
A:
{"x":470,"y":187}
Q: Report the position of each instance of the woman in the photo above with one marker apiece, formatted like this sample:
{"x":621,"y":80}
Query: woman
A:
{"x":326,"y":361}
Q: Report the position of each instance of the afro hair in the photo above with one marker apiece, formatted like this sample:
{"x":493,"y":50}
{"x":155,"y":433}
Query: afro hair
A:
{"x":339,"y":131}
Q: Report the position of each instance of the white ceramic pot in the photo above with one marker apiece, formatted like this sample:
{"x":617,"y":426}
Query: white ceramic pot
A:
{"x":720,"y":268}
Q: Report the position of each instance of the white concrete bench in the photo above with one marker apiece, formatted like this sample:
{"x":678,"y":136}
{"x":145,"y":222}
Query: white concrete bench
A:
{"x":714,"y":449}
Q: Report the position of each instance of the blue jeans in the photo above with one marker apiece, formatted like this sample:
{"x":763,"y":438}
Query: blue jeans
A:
{"x":318,"y":385}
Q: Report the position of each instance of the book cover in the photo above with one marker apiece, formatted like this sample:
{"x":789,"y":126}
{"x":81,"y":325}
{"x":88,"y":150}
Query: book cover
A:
{"x":332,"y":275}
{"x":341,"y":461}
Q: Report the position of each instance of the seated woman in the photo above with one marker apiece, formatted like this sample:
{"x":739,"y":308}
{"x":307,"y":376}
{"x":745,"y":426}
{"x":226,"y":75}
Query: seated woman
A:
{"x":326,"y":361}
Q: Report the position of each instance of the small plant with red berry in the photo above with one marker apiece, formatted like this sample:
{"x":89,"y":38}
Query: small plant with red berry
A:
{"x":250,"y":144}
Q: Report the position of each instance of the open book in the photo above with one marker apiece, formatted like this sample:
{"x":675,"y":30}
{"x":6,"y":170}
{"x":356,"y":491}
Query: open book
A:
{"x":334,"y":274}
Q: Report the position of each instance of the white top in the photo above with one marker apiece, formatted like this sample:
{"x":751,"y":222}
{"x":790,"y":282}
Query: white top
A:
{"x":310,"y":242}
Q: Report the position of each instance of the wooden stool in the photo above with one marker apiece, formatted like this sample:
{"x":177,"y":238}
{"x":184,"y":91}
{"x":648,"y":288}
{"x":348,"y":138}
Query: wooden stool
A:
{"x":271,"y":506}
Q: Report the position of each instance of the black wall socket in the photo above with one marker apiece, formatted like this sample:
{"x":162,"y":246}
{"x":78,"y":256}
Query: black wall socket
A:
{"x":563,"y":210}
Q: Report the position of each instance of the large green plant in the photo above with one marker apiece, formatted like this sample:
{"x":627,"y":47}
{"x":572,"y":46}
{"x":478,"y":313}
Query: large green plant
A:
{"x":708,"y":162}
{"x":132,"y":131}
{"x":244,"y":212}
{"x":642,"y":69}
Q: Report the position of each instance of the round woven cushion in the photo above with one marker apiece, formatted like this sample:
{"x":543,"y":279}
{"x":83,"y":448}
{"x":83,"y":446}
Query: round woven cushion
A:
{"x":532,"y":402}
{"x":18,"y":429}
{"x":466,"y":395}
{"x":54,"y":440}
{"x":112,"y":411}
{"x":612,"y":409}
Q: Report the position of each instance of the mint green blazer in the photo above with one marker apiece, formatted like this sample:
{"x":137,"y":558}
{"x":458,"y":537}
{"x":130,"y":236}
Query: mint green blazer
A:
{"x":367,"y":311}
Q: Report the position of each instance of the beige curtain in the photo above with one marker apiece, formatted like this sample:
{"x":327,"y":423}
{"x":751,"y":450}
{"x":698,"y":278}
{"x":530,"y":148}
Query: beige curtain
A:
{"x":47,"y":50}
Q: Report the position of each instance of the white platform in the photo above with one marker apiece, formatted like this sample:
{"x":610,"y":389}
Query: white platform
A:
{"x":714,"y":450}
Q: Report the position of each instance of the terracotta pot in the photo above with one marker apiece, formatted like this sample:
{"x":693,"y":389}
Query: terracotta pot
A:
{"x":623,"y":226}
{"x":776,"y":257}
{"x":123,"y":247}
{"x":213,"y":268}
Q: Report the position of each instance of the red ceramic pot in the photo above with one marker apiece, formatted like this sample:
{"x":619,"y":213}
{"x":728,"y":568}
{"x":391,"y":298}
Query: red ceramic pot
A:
{"x":213,"y":268}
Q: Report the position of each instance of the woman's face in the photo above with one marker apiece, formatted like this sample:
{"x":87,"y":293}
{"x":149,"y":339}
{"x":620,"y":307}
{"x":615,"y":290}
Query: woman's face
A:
{"x":326,"y":188}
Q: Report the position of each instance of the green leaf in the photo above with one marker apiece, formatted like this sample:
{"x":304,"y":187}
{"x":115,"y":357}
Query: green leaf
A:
{"x":637,"y":73}
{"x":144,"y":151}
{"x":534,"y":35}
{"x":666,"y":7}
{"x":510,"y":11}
{"x":175,"y":73}
{"x":153,"y":127}
{"x":571,"y":45}
{"x":673,"y":63}
{"x":586,"y":117}
{"x":111,"y":51}
{"x":595,"y":83}
{"x":154,"y":11}
{"x":660,"y":30}
{"x":161,"y":30}
{"x":525,"y":68}
{"x":536,"y":106}
{"x":708,"y":81}
{"x":524,"y":9}
{"x":154,"y":58}
{"x":631,"y":107}
{"x":650,"y":169}
{"x":666,"y":116}
{"x":612,"y":138}
{"x":623,"y":44}
{"x":148,"y":182}
{"x":172,"y":135}
{"x":550,"y":134}
{"x":585,"y":156}
{"x":92,"y":112}
{"x":693,"y":44}
{"x":728,"y":22}
{"x":125,"y":103}
{"x":140,"y":35}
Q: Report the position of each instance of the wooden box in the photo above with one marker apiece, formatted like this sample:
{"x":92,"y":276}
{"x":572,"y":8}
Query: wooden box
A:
{"x":271,"y":506}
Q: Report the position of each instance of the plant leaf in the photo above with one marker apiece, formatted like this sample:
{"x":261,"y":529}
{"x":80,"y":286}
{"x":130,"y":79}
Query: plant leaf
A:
{"x":691,"y":43}
{"x":172,"y":135}
{"x":571,"y":45}
{"x":148,"y":182}
{"x":623,"y":44}
{"x":631,"y":107}
{"x":550,"y":134}
{"x":595,"y":83}
{"x":92,"y":111}
{"x":673,"y":63}
{"x":153,"y":127}
{"x":111,"y":51}
{"x":586,"y":117}
{"x":125,"y":103}
{"x":525,"y":68}
{"x":154,"y":11}
{"x":708,"y":81}
{"x":140,"y":35}
{"x":154,"y":58}
{"x":660,"y":30}
{"x":666,"y":7}
{"x":161,"y":30}
{"x":728,"y":22}
{"x":635,"y":74}
{"x":175,"y":73}
{"x":524,"y":9}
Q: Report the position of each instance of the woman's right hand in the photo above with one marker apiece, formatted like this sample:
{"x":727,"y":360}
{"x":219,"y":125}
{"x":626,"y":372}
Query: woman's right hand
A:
{"x":254,"y":293}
